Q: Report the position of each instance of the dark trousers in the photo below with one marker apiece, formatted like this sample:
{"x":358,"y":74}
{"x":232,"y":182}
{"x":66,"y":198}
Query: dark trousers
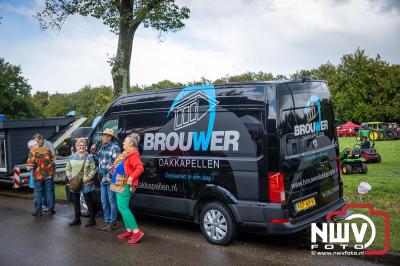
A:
{"x":89,"y":202}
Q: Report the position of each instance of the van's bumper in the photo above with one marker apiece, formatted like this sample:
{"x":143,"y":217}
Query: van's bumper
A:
{"x":258,"y":217}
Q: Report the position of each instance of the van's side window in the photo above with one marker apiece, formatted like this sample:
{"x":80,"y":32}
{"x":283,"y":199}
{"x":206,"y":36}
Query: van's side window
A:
{"x":253,"y":121}
{"x":111,"y":123}
{"x":139,"y":122}
{"x":144,"y":122}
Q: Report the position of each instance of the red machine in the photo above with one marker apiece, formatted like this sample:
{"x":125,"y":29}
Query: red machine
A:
{"x":347,"y":130}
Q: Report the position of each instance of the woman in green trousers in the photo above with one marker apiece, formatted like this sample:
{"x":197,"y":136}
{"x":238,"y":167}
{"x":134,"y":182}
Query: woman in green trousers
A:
{"x":127,"y":169}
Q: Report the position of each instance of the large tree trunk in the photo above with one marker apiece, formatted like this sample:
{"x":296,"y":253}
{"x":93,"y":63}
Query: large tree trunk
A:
{"x":120,"y":69}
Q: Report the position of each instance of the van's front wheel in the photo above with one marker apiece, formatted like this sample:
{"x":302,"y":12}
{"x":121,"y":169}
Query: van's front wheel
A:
{"x":217,"y":224}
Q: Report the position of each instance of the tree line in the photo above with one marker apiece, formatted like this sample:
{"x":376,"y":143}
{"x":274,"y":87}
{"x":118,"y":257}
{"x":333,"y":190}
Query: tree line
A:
{"x":363,"y":89}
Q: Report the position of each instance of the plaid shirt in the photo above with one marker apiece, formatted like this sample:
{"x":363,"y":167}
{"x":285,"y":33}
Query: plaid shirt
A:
{"x":105,"y":157}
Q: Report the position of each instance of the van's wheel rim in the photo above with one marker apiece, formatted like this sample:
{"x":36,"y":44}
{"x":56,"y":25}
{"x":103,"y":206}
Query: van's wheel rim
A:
{"x":215,"y":224}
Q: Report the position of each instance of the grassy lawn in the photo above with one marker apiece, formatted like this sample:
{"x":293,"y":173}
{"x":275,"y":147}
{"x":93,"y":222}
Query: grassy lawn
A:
{"x":384,"y":177}
{"x":60,"y":191}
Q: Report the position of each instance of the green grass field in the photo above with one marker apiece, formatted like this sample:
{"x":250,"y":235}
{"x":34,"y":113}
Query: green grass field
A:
{"x":60,"y":191}
{"x":384,"y":177}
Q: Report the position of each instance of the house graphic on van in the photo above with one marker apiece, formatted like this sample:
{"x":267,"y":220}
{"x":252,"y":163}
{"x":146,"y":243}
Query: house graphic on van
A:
{"x":313,"y":108}
{"x":187,"y":110}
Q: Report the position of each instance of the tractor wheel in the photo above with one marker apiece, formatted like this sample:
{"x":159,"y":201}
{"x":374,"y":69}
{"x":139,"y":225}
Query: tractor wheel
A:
{"x":347,"y":169}
{"x":378,"y":158}
{"x":363,"y":169}
{"x":373,"y":135}
{"x":390,"y":134}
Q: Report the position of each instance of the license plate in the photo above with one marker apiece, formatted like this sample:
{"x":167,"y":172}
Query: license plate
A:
{"x":305,"y":204}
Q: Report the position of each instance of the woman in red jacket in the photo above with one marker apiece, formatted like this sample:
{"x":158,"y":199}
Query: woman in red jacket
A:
{"x":128,"y":168}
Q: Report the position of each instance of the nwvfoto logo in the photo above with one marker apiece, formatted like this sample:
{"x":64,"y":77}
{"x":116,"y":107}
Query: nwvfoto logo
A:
{"x":187,"y":110}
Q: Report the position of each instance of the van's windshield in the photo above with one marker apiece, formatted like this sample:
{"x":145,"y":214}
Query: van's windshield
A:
{"x":305,"y":114}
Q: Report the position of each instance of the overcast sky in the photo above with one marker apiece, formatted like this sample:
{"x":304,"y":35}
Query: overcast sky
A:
{"x":221,"y":37}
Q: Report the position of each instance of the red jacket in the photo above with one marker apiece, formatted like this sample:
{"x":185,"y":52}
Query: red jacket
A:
{"x":133,"y":167}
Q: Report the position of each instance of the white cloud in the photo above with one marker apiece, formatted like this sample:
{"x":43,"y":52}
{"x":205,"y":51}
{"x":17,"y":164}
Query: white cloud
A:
{"x":221,"y":37}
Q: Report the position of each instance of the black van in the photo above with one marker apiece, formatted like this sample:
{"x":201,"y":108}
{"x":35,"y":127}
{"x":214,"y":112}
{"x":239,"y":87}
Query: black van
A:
{"x":256,"y":156}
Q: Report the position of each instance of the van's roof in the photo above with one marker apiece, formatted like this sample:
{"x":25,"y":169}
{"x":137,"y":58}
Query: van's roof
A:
{"x":222,"y":85}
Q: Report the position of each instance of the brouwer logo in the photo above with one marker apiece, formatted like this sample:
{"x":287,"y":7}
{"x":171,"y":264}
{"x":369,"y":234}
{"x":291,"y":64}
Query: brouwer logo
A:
{"x":187,"y":109}
{"x":336,"y":235}
{"x":312,"y":111}
{"x":313,"y":108}
{"x":191,"y":105}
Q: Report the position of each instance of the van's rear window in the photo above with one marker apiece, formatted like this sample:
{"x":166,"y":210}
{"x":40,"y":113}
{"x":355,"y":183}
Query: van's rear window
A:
{"x":305,"y":113}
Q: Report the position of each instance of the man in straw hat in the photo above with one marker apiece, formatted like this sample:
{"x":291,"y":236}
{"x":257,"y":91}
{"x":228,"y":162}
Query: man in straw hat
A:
{"x":105,"y":156}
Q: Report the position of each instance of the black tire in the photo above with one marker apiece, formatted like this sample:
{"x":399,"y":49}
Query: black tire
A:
{"x":347,"y":169}
{"x":363,"y":169}
{"x":221,"y":211}
{"x":378,"y":158}
{"x":390,"y":134}
{"x":84,"y":208}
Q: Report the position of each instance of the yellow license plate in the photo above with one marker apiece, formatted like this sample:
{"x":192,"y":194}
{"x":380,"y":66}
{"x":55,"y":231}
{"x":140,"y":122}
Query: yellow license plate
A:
{"x":305,"y":204}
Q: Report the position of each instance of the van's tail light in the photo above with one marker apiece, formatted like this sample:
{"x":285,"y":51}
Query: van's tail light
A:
{"x":276,"y":187}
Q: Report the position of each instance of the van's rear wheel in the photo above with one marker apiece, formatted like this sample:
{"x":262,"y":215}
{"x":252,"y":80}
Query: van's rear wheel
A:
{"x":217,"y":224}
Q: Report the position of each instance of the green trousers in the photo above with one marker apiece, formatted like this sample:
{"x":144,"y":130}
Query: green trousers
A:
{"x":123,"y":207}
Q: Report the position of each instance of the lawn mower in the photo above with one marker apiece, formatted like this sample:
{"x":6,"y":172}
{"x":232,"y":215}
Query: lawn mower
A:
{"x":367,"y":151}
{"x":352,"y":162}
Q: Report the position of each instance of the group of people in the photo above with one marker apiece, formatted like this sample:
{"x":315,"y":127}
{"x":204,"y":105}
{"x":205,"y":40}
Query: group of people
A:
{"x":118,"y":171}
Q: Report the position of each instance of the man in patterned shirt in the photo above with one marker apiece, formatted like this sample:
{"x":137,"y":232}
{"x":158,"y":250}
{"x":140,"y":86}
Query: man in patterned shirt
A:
{"x":105,"y":156}
{"x":42,"y":159}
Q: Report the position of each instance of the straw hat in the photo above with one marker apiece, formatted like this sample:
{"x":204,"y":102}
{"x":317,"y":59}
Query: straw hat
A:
{"x":110,"y":132}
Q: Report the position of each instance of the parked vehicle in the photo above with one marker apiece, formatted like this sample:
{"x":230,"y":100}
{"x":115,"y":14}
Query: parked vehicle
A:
{"x":346,"y":132}
{"x":368,"y":152}
{"x":377,"y":131}
{"x":396,"y":128}
{"x":352,"y":162}
{"x":14,"y":136}
{"x":348,"y":129}
{"x":256,"y":156}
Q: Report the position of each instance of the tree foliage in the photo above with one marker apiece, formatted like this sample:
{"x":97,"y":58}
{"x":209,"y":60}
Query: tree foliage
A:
{"x":88,"y":102}
{"x":363,"y":89}
{"x":123,"y":17}
{"x":14,"y":92}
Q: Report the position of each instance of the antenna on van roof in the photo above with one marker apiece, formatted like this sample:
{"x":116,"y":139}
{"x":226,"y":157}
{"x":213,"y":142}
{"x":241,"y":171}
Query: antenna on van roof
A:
{"x":304,"y":79}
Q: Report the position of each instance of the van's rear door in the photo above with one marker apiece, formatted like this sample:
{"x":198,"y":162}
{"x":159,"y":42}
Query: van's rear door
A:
{"x":308,"y":147}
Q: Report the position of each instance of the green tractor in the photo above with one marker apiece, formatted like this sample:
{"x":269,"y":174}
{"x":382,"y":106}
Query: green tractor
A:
{"x":352,"y":162}
{"x":376,"y":131}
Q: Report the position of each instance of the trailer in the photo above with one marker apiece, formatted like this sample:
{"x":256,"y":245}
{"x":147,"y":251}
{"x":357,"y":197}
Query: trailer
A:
{"x":14,"y":136}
